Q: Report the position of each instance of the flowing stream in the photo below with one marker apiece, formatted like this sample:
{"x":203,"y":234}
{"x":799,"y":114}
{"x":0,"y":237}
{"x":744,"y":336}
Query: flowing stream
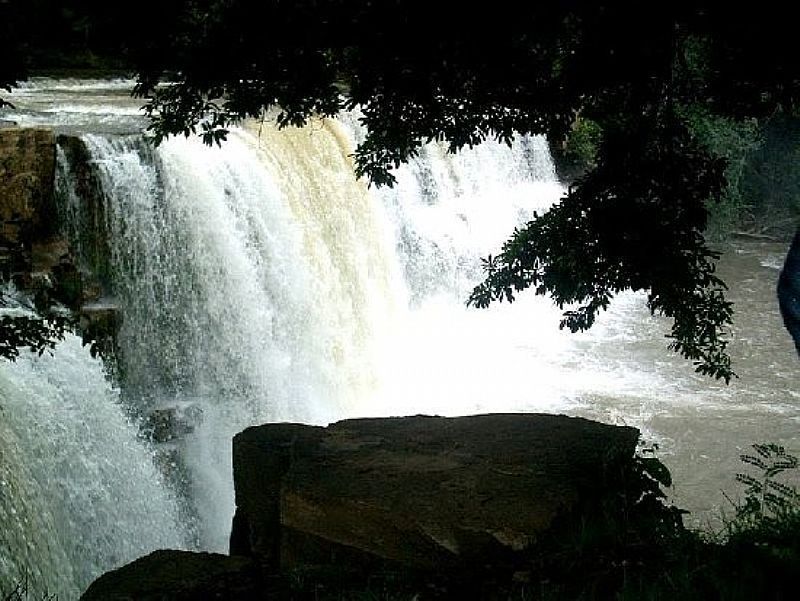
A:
{"x":262,"y":282}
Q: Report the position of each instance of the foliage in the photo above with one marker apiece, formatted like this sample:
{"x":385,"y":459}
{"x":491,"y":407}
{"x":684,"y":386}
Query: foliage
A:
{"x":637,"y":548}
{"x":630,"y":529}
{"x":735,"y":142}
{"x":36,"y":324}
{"x":41,"y":326}
{"x":460,"y":76}
{"x":646,"y":480}
{"x":758,"y":190}
{"x":614,"y":232}
{"x":770,"y":508}
{"x":771,"y":181}
{"x":38,"y":334}
{"x":578,"y":153}
{"x":636,"y":220}
{"x":583,"y":141}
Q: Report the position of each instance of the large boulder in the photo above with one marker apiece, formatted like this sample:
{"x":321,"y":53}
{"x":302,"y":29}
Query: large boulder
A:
{"x":27,"y":165}
{"x":181,"y":576}
{"x":420,"y":493}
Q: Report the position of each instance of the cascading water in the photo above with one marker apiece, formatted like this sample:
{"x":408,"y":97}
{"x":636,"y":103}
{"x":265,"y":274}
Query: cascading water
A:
{"x":79,"y":492}
{"x":230,"y":310}
{"x":261,"y":281}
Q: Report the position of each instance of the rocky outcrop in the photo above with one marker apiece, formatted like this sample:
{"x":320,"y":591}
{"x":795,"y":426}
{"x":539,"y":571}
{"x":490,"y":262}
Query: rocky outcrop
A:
{"x":420,"y":493}
{"x":34,"y":252}
{"x":417,"y":503}
{"x":168,"y":424}
{"x":181,"y":576}
{"x":27,"y":211}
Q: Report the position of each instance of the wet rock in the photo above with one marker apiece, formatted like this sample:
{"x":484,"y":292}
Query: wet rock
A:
{"x":89,"y":212}
{"x":165,"y":425}
{"x":27,"y":210}
{"x":99,"y":316}
{"x":33,"y":253}
{"x":27,"y":166}
{"x":99,"y":324}
{"x":181,"y":576}
{"x":46,"y":254}
{"x":421,"y":493}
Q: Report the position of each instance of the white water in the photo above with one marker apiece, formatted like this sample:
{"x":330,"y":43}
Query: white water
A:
{"x":79,"y":493}
{"x":261,"y":282}
{"x":76,"y":105}
{"x":228,"y":305}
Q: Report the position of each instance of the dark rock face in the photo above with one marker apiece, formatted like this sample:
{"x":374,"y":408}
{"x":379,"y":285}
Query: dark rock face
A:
{"x":181,"y":576}
{"x":34,"y":253}
{"x":27,"y":214}
{"x":169,"y":424}
{"x":789,"y":291}
{"x":422,"y":493}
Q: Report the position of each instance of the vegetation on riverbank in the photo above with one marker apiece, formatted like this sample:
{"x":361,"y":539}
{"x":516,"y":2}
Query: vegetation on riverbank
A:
{"x":761,"y":197}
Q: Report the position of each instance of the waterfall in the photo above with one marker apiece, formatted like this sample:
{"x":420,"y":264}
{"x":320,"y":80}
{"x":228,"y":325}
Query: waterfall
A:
{"x":448,"y":211}
{"x":261,"y":281}
{"x":250,"y":290}
{"x":79,"y":491}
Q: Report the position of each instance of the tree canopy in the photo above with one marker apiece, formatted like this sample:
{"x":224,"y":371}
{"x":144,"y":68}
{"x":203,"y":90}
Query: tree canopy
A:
{"x":461,"y":74}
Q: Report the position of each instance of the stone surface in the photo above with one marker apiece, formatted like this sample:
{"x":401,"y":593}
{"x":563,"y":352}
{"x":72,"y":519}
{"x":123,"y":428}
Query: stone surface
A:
{"x":420,"y":492}
{"x":33,"y":252}
{"x":98,"y":325}
{"x":27,"y":211}
{"x":27,"y":167}
{"x":181,"y":576}
{"x":167,"y":425}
